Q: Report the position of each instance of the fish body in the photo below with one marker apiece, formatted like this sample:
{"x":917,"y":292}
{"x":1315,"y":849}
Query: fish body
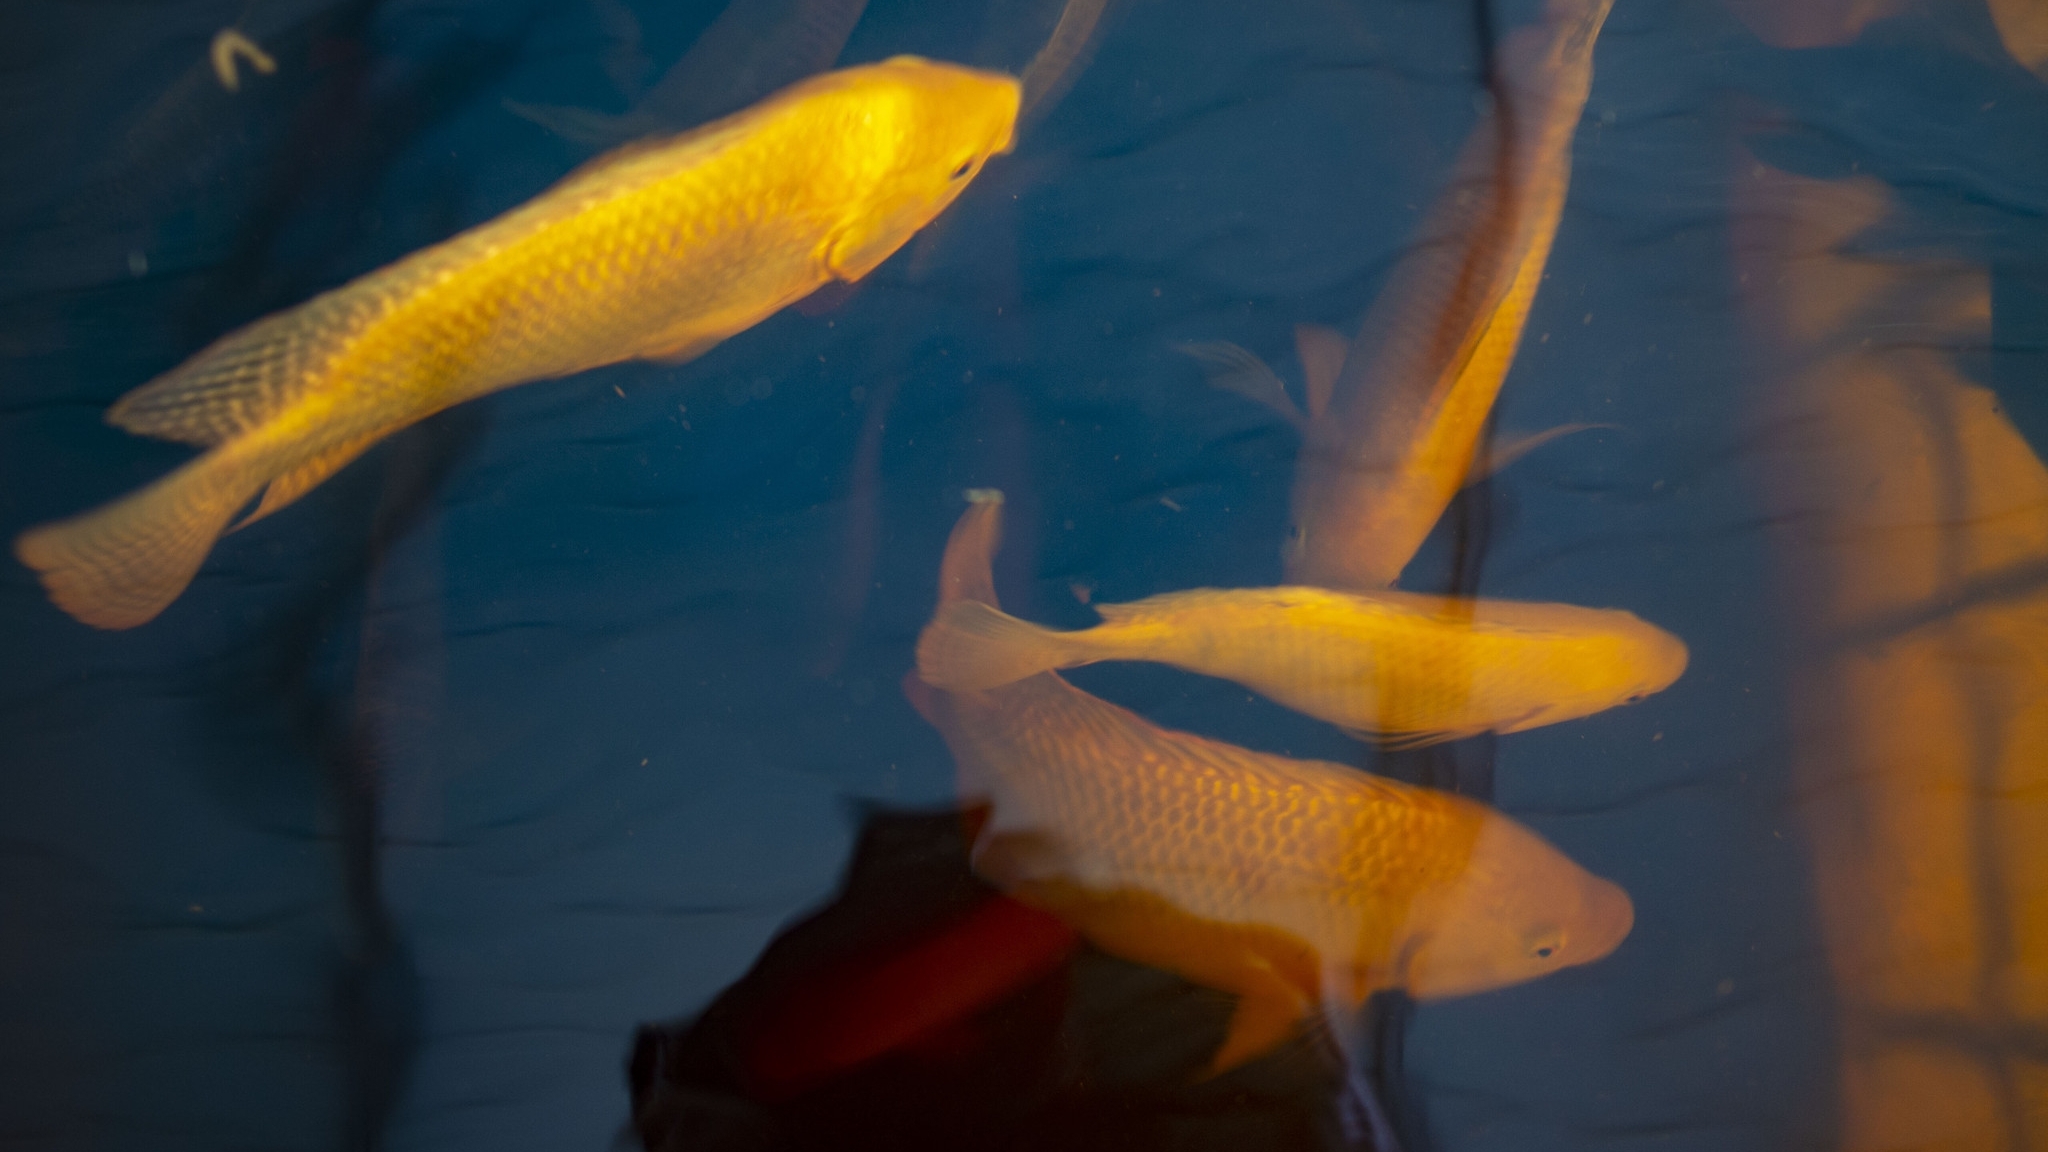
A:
{"x":1406,"y":410}
{"x":658,"y":251}
{"x":1291,"y":883}
{"x":1411,"y":668}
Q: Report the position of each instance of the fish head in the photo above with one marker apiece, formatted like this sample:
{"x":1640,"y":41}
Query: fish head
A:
{"x":1616,"y":658}
{"x":1520,"y":911}
{"x":1653,"y":658}
{"x":927,"y":128}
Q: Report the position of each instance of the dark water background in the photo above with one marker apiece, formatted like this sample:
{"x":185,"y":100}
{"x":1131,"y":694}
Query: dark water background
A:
{"x":542,"y":719}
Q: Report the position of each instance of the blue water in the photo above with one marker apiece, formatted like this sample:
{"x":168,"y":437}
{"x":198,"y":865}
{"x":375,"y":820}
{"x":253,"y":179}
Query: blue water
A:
{"x":539,"y":722}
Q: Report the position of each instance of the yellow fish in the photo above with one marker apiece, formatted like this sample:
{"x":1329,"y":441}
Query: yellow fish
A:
{"x":1395,"y":418}
{"x":656,"y":251}
{"x":1295,"y":884}
{"x":1413,"y":669}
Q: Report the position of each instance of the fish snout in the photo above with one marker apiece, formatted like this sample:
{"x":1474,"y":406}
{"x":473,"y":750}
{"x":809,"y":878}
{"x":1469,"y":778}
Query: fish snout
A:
{"x":1664,"y":659}
{"x":1609,"y":916}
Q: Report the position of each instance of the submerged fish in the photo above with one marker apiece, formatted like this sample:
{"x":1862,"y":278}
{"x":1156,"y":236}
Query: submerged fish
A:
{"x":753,"y":48}
{"x":1416,"y":669}
{"x":1295,"y":884}
{"x":883,"y":1004}
{"x":656,"y":251}
{"x":1394,"y":422}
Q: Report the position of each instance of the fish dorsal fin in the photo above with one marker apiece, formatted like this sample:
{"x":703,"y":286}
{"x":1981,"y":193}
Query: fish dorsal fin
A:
{"x":1233,"y":368}
{"x":1322,"y":352}
{"x":306,"y":477}
{"x":1115,"y":613}
{"x":245,"y":377}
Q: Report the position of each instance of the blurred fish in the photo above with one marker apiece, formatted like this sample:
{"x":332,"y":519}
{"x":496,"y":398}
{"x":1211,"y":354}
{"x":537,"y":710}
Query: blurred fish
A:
{"x":1392,"y":435}
{"x":1418,"y":669}
{"x":229,"y":43}
{"x":657,"y":251}
{"x":2023,"y":29}
{"x":1814,"y":23}
{"x":753,"y":48}
{"x":1292,"y":883}
{"x":1065,"y":56}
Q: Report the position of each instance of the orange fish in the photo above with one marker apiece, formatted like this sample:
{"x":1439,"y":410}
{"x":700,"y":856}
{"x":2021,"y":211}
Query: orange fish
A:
{"x":656,"y":251}
{"x":1394,"y":419}
{"x":1409,"y":668}
{"x":1295,"y":884}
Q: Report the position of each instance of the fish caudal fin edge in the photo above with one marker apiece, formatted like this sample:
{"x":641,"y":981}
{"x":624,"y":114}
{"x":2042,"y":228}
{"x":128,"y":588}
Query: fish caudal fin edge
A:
{"x":971,"y":647}
{"x":120,"y":565}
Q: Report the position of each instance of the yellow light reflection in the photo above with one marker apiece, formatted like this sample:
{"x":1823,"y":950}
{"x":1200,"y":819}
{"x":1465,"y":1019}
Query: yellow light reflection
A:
{"x":1912,"y":522}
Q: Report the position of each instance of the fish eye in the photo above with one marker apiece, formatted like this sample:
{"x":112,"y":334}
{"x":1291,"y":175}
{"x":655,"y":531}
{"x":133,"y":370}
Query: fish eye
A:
{"x":962,"y":169}
{"x":1546,"y":945}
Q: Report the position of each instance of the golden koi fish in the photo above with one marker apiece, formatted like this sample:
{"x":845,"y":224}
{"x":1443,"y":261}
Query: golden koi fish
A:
{"x":1411,"y":668}
{"x":1295,"y":884}
{"x":656,"y":251}
{"x":1394,"y":420}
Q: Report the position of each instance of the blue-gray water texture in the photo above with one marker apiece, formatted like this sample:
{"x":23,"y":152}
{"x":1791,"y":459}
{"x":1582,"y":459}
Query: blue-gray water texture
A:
{"x":540,"y":720}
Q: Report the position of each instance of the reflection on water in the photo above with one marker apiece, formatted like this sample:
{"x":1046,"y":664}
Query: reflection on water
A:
{"x":1914,"y":544}
{"x":1286,"y":800}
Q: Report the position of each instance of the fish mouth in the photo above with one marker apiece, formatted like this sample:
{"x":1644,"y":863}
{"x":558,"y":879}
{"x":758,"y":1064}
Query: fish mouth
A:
{"x":1611,"y":916}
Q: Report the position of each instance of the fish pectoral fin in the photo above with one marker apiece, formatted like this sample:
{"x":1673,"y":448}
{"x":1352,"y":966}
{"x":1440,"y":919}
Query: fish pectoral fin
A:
{"x":306,"y":477}
{"x":1502,"y":451}
{"x":1322,"y":352}
{"x":1267,"y":1014}
{"x":1408,"y":741}
{"x":1016,"y":859}
{"x":678,"y":349}
{"x":859,"y":248}
{"x":1232,"y":368}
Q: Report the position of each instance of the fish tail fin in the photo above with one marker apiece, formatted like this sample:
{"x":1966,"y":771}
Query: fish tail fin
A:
{"x":119,"y":565}
{"x":972,"y":647}
{"x":966,"y":572}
